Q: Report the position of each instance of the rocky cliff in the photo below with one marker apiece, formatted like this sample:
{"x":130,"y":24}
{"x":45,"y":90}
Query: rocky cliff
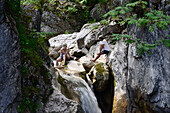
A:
{"x":142,"y":83}
{"x":122,"y":82}
{"x":10,"y":66}
{"x":25,"y":79}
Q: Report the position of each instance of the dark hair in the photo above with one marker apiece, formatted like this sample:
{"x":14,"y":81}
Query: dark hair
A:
{"x":64,"y":45}
{"x":101,"y":37}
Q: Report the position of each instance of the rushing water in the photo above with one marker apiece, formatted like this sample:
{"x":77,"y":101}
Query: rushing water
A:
{"x":86,"y":95}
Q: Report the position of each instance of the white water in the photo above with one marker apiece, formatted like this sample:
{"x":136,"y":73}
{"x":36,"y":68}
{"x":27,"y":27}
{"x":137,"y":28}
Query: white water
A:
{"x":87,"y":97}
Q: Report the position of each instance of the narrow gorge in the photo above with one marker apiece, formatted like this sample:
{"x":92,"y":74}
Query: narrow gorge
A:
{"x":133,"y":78}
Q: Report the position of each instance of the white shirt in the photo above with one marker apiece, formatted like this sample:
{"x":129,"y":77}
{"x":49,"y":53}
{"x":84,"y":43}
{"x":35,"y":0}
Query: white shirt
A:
{"x":106,"y":45}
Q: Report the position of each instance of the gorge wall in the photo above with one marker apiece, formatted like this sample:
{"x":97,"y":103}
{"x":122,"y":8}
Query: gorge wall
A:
{"x":10,"y":66}
{"x":141,"y":83}
{"x":25,"y":81}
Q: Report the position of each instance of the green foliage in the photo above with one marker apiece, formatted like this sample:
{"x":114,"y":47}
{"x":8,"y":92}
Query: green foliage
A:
{"x":12,"y":8}
{"x":94,"y":27}
{"x":28,"y":104}
{"x":31,"y":42}
{"x":100,"y":69}
{"x":141,"y":45}
{"x":166,"y":42}
{"x":150,"y":19}
{"x":66,"y":32}
{"x":140,"y":2}
{"x":72,"y":9}
{"x":145,"y":47}
{"x":104,"y":22}
{"x":92,"y":21}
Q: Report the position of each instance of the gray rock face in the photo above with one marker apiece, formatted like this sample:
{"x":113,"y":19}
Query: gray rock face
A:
{"x":149,"y":75}
{"x":52,"y":23}
{"x":9,"y":66}
{"x":141,"y":82}
{"x":87,"y":38}
{"x":1,"y":10}
{"x":104,"y":87}
{"x":58,"y":103}
{"x":97,"y":12}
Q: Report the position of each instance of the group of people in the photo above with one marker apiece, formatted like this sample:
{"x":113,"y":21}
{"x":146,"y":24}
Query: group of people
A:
{"x":65,"y":55}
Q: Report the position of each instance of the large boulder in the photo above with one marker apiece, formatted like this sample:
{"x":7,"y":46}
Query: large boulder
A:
{"x":52,"y":23}
{"x":104,"y":86}
{"x":76,"y":68}
{"x":87,"y":63}
{"x":54,"y":51}
{"x":101,"y":73}
{"x":58,"y":103}
{"x":148,"y":75}
{"x":98,"y":11}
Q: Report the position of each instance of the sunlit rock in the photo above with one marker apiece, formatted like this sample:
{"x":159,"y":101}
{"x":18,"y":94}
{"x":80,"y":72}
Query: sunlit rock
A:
{"x":86,"y":62}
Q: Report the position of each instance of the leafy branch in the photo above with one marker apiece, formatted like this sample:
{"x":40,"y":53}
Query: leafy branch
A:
{"x":150,"y":18}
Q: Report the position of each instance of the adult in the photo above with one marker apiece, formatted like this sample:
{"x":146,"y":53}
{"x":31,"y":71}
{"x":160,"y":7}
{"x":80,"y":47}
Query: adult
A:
{"x":64,"y":54}
{"x":104,"y":48}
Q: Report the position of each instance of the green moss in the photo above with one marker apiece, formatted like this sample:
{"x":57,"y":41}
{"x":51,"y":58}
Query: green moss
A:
{"x":114,"y":79}
{"x":104,"y":22}
{"x":64,"y":90}
{"x":94,"y":27}
{"x":61,"y":81}
{"x":29,"y":90}
{"x":100,"y":69}
{"x":28,"y":103}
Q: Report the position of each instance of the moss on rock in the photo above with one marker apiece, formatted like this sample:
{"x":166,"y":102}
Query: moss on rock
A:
{"x":100,"y":69}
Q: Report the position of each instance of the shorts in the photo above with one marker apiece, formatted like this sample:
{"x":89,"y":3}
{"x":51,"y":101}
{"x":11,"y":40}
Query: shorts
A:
{"x":61,"y":56}
{"x":105,"y":51}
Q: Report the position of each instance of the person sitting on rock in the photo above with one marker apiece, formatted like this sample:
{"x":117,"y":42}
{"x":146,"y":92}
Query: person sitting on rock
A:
{"x":104,"y":48}
{"x":64,"y":54}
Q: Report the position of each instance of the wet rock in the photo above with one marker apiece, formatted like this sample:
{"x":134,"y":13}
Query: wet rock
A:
{"x":119,"y":103}
{"x":76,"y":68}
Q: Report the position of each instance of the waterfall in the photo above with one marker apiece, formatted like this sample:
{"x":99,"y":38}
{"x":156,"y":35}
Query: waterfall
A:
{"x":87,"y":98}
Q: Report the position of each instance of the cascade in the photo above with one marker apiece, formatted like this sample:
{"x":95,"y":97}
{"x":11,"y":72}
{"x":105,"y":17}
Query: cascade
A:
{"x":87,"y":98}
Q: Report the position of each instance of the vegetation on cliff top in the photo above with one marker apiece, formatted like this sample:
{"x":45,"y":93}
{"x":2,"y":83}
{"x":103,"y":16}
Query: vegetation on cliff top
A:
{"x":140,"y":14}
